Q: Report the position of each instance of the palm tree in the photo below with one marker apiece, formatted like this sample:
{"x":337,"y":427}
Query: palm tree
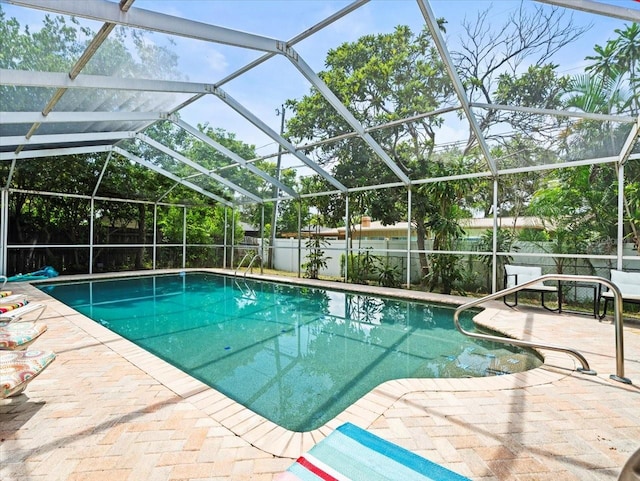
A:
{"x":605,"y":60}
{"x":628,"y":56}
{"x":602,"y":95}
{"x":599,"y":93}
{"x":612,"y":86}
{"x":620,"y":57}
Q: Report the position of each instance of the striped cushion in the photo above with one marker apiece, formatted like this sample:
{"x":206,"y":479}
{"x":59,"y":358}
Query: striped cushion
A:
{"x":353,"y":454}
{"x":14,"y":305}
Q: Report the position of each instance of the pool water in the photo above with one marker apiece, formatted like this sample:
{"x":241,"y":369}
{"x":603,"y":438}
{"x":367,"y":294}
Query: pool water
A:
{"x":296,"y":355}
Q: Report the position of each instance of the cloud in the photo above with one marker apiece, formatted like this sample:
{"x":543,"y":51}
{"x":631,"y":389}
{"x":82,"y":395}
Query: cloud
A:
{"x":216,"y":61}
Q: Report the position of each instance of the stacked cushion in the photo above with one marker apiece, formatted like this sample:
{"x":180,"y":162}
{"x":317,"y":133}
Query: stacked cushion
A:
{"x":19,"y":368}
{"x":19,"y":335}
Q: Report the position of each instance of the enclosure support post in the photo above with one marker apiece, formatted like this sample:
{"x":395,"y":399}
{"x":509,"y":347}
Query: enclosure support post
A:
{"x":155,"y":233}
{"x":408,"y":237}
{"x":276,"y":193}
{"x":262,"y":239}
{"x":184,"y":237}
{"x":620,"y":242}
{"x":346,"y":237}
{"x":494,"y":245}
{"x":224,"y":248}
{"x":4,"y":229}
{"x":91,"y":221}
{"x":93,"y":210}
{"x":233,"y":231}
{"x":299,"y":236}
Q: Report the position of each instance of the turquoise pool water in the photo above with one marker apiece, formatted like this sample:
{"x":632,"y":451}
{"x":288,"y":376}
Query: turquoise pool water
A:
{"x":295,"y":355}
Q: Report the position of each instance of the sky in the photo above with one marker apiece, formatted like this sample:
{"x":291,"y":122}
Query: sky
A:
{"x":265,"y":88}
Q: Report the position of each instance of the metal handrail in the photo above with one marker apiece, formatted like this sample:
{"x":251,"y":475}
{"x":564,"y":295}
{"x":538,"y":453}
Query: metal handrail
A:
{"x":617,"y":316}
{"x":241,"y":261}
{"x":257,"y":256}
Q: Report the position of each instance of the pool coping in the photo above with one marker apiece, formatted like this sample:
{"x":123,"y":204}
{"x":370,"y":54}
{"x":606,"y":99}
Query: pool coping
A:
{"x":276,"y":440}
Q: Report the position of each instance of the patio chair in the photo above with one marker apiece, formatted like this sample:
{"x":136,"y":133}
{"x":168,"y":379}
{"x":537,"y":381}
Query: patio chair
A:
{"x":19,"y":368}
{"x":515,"y":275}
{"x":18,"y":336}
{"x":18,"y":313}
{"x":629,"y":285}
{"x":3,"y":279}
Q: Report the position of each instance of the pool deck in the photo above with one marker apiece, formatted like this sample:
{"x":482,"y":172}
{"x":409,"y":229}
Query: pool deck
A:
{"x":108,"y":410}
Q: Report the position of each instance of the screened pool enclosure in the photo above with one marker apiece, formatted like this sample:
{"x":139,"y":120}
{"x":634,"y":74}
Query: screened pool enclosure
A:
{"x":138,"y":134}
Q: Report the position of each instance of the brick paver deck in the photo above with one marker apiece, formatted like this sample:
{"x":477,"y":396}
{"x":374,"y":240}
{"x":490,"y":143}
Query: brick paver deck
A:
{"x":107,"y":410}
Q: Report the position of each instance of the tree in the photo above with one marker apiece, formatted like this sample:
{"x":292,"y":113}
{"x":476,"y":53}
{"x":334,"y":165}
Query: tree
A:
{"x":512,"y":64}
{"x":575,"y":210}
{"x":491,"y":56}
{"x":539,"y":86}
{"x":205,"y":224}
{"x":380,"y":78}
{"x":444,"y":213}
{"x":316,"y":258}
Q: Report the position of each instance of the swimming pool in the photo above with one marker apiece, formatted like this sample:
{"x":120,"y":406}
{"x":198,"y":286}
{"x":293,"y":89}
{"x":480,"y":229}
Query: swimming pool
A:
{"x":296,"y":355}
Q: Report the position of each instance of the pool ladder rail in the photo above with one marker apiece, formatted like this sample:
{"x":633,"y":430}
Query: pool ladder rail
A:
{"x":250,"y":265}
{"x":585,"y":369}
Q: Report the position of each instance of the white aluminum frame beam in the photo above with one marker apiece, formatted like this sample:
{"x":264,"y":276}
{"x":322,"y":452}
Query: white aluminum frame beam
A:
{"x":233,"y":156}
{"x":625,"y":152}
{"x":4,"y":229}
{"x":169,"y":175}
{"x":27,"y":78}
{"x":436,"y":35}
{"x":86,"y":56}
{"x":235,"y":105}
{"x":194,"y":165}
{"x":39,"y":153}
{"x":110,"y":12}
{"x":599,"y":8}
{"x":386,"y":125}
{"x":15,"y":140}
{"x":556,"y":113}
{"x":73,"y":117}
{"x":100,"y":177}
{"x":12,"y":168}
{"x":97,"y":197}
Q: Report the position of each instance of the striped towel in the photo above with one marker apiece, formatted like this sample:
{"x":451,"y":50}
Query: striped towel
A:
{"x":353,"y":454}
{"x":5,"y":293}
